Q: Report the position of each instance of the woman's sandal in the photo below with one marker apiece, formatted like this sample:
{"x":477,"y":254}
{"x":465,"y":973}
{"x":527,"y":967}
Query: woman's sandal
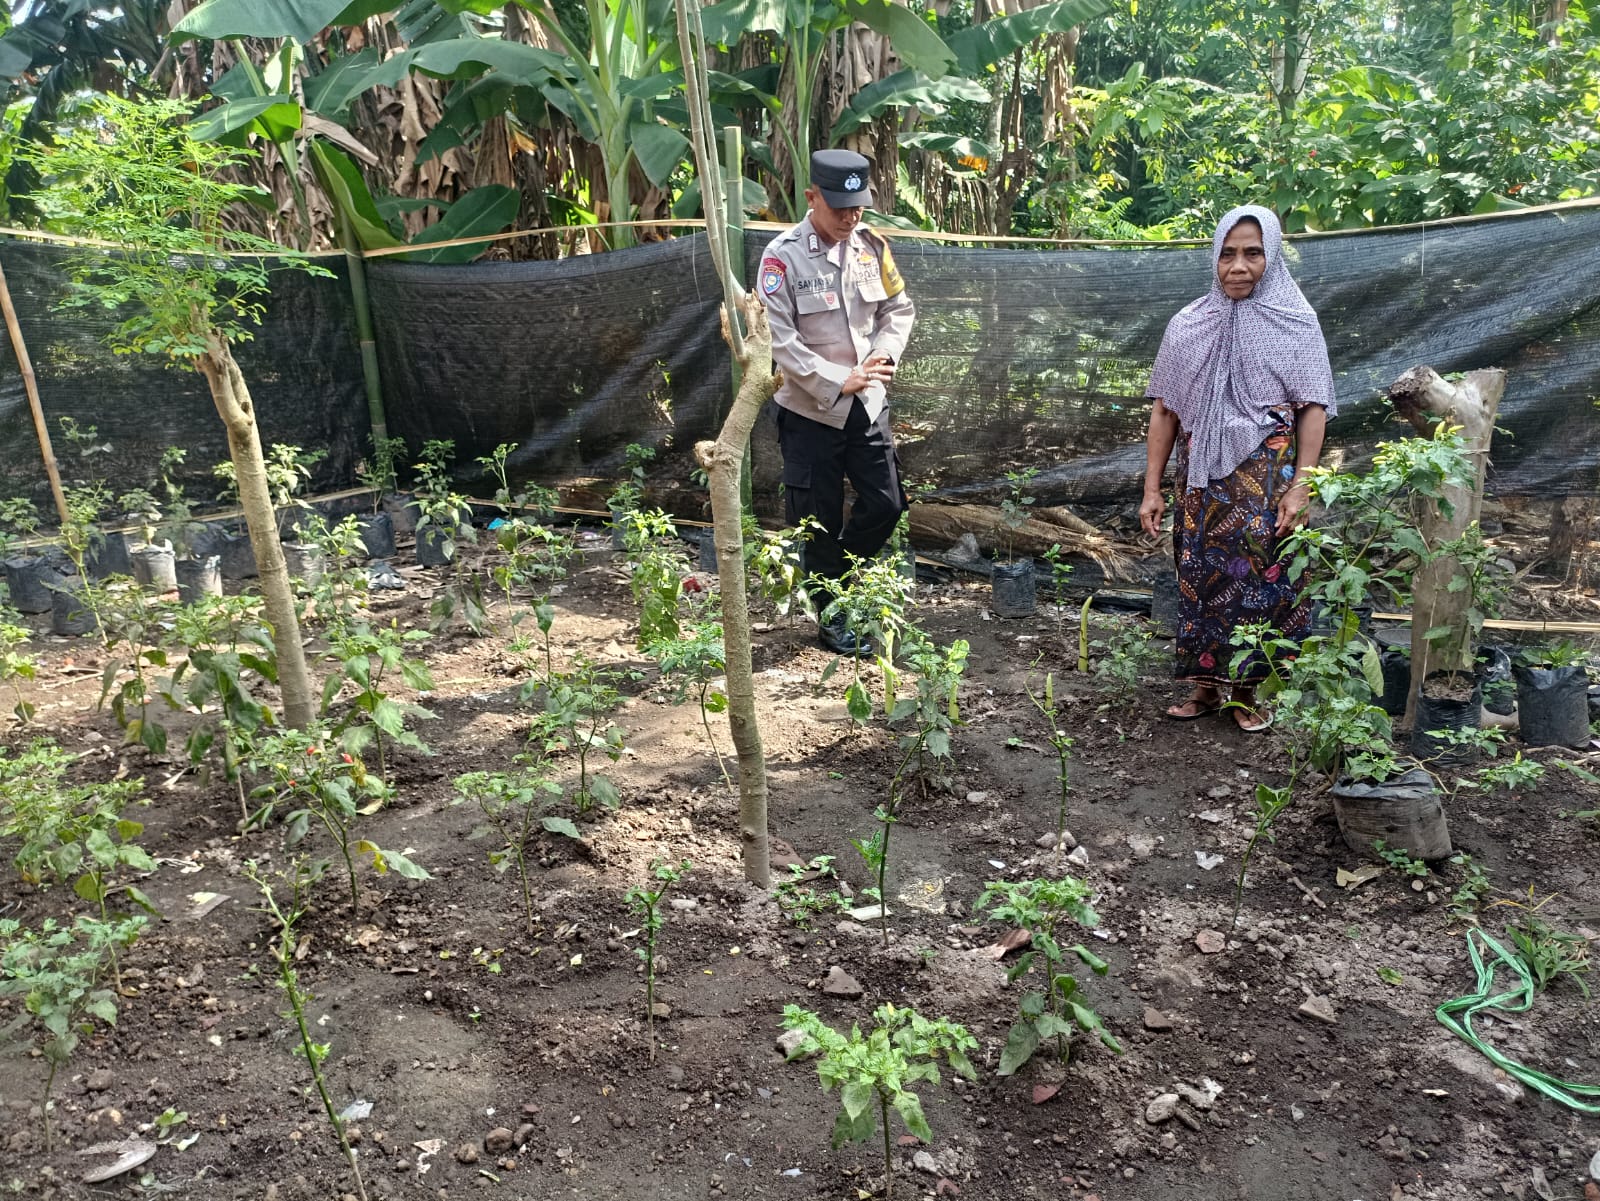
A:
{"x":1250,"y":718}
{"x":1202,"y":708}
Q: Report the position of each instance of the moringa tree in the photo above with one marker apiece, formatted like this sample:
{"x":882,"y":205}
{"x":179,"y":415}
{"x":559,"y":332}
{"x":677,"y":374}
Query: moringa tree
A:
{"x":134,"y":179}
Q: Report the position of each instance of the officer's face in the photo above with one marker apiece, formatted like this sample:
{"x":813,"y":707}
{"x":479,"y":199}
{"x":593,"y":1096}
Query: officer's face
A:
{"x":833,"y":224}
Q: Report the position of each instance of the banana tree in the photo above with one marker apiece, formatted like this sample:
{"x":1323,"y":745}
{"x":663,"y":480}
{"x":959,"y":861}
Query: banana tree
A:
{"x":802,"y":29}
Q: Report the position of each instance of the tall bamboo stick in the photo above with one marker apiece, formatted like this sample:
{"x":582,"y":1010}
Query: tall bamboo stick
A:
{"x":31,"y":386}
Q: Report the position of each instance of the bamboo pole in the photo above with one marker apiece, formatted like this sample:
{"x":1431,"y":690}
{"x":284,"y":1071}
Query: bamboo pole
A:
{"x":31,"y":386}
{"x":733,"y":189}
{"x":369,"y":346}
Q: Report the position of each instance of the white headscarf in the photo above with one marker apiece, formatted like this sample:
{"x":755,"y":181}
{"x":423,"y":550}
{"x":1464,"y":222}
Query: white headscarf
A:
{"x":1225,"y":364}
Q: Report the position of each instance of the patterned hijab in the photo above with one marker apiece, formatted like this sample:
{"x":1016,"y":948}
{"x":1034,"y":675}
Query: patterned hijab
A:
{"x":1225,"y":365}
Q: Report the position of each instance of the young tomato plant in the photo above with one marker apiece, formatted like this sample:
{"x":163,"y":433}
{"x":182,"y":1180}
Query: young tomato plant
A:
{"x":577,"y":717}
{"x":646,"y":900}
{"x":367,"y":658}
{"x":57,"y":972}
{"x":695,"y":659}
{"x":873,"y":1073}
{"x":1058,"y":1010}
{"x":513,"y":803}
{"x":134,"y":622}
{"x":328,"y":788}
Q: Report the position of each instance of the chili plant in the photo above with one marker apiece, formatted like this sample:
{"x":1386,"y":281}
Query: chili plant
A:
{"x":329,"y":789}
{"x":1057,"y":1010}
{"x":873,"y":598}
{"x":283,"y":950}
{"x":873,"y":1073}
{"x":774,"y":564}
{"x":513,"y":803}
{"x":577,"y":717}
{"x":135,"y":623}
{"x":367,"y":657}
{"x":695,"y":659}
{"x":1061,"y":741}
{"x":1270,"y":802}
{"x":16,"y":666}
{"x":647,"y":901}
{"x":58,"y":972}
{"x":657,"y":566}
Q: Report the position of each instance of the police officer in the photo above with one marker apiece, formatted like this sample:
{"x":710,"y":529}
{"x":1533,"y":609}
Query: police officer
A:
{"x":840,"y":319}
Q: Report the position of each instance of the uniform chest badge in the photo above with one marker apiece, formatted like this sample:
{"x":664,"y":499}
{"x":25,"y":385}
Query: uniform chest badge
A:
{"x":814,"y":246}
{"x":772,"y":272}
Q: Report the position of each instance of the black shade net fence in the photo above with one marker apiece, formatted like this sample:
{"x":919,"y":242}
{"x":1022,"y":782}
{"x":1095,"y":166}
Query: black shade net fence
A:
{"x":1020,"y":358}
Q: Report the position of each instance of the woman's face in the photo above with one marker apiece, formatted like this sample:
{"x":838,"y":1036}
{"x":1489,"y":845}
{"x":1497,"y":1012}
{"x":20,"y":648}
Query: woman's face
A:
{"x":1242,"y":261}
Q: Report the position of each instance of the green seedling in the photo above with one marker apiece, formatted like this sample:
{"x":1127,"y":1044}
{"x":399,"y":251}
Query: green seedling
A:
{"x":695,"y":658}
{"x":1061,"y":741}
{"x":16,"y":666}
{"x":629,"y":492}
{"x":646,"y":900}
{"x":57,"y":973}
{"x":1467,"y":900}
{"x":1057,"y":1010}
{"x":874,"y":1073}
{"x":1514,"y":775}
{"x":300,"y":877}
{"x":798,"y":902}
{"x":1270,"y":802}
{"x":1399,"y":860}
{"x":513,"y":803}
{"x":380,"y":471}
{"x":1549,"y":953}
{"x":1127,"y":653}
{"x":134,"y":627}
{"x":340,"y":590}
{"x":367,"y":658}
{"x":1014,"y":506}
{"x":577,"y":717}
{"x":657,"y":566}
{"x":872,"y":597}
{"x":319,"y":783}
{"x":774,"y":564}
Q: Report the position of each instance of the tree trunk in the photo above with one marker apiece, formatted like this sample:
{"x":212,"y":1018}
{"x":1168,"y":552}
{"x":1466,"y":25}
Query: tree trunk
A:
{"x":1424,"y":399}
{"x":1572,"y":527}
{"x":238,"y":414}
{"x":723,"y":461}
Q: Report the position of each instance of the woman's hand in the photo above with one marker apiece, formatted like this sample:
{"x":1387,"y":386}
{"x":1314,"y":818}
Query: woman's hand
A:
{"x":1152,"y":511}
{"x":1292,"y":507}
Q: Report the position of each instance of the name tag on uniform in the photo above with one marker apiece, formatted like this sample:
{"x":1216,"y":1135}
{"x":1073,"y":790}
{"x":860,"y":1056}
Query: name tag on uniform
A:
{"x":804,"y":287}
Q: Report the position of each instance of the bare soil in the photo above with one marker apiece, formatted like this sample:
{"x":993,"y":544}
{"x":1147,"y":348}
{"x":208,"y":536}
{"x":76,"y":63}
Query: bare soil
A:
{"x":451,"y":1019}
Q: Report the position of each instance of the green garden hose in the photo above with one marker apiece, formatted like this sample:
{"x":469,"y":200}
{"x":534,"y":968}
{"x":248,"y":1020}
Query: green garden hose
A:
{"x":1517,"y":1000}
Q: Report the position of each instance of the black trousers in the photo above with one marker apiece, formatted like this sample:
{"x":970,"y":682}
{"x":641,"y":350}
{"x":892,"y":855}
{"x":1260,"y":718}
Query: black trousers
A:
{"x":817,"y":459}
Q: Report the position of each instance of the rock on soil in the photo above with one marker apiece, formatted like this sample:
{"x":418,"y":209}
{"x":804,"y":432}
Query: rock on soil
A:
{"x":1321,"y":1008}
{"x":498,"y":1141}
{"x":841,"y":983}
{"x":1162,"y":1108}
{"x":1157,"y":1021}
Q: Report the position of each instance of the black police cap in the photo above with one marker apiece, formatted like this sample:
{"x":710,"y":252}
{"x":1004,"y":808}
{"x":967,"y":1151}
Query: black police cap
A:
{"x":843,"y":177}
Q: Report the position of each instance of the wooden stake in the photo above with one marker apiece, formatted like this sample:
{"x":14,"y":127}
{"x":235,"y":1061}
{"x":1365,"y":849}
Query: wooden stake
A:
{"x":31,"y":386}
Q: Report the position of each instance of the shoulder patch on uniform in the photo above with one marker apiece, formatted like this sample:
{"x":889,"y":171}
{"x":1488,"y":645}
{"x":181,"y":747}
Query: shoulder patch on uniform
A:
{"x":893,"y":285}
{"x":772,"y":273}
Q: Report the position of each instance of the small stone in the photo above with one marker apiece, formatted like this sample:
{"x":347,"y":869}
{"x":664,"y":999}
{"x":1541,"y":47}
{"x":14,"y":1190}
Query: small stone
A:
{"x":841,"y":983}
{"x":661,"y":1010}
{"x":1321,"y":1008}
{"x":683,"y":904}
{"x":1079,"y":856}
{"x":923,"y":1161}
{"x":977,"y":798}
{"x":1162,"y":1108}
{"x":1169,"y":1141}
{"x":674,"y":1075}
{"x":1157,"y":1021}
{"x":466,"y":1153}
{"x":1594,"y":1167}
{"x":1200,"y":1098}
{"x":498,"y":1141}
{"x":1047,"y":841}
{"x":1297,"y":1113}
{"x":1210,"y":942}
{"x":524,"y":1134}
{"x":790,"y":1042}
{"x":99,"y":1080}
{"x":402,"y":1165}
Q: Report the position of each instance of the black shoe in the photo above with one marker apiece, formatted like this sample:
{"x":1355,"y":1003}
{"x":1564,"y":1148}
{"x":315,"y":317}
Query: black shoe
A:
{"x":839,"y":638}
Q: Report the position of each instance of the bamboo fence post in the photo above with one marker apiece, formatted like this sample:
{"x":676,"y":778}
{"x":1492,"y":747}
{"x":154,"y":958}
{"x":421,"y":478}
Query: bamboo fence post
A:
{"x":31,"y":386}
{"x":369,"y":346}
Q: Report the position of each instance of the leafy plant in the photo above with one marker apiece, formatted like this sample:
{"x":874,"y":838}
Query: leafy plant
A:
{"x":1468,"y":899}
{"x":1061,"y":741}
{"x":135,"y":622}
{"x":512,"y":803}
{"x":773,"y":560}
{"x":15,"y":666}
{"x":1555,"y":656}
{"x":368,"y":657}
{"x":19,"y":521}
{"x":1514,"y":775}
{"x":874,"y":1073}
{"x":872,"y":597}
{"x":1399,"y":860}
{"x":577,"y":717}
{"x":1127,"y":653}
{"x":646,"y":901}
{"x":283,"y":951}
{"x":340,"y":589}
{"x":288,"y":474}
{"x":695,"y":659}
{"x":799,"y":902}
{"x":1270,"y":802}
{"x":1057,"y":1009}
{"x":380,"y":471}
{"x":534,"y":498}
{"x":1014,"y":506}
{"x":331,"y":789}
{"x":656,"y":569}
{"x":1549,"y":953}
{"x":58,"y":971}
{"x":629,"y":492}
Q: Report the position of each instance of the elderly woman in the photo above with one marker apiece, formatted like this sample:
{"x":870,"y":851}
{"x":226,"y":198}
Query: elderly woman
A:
{"x":1243,"y":388}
